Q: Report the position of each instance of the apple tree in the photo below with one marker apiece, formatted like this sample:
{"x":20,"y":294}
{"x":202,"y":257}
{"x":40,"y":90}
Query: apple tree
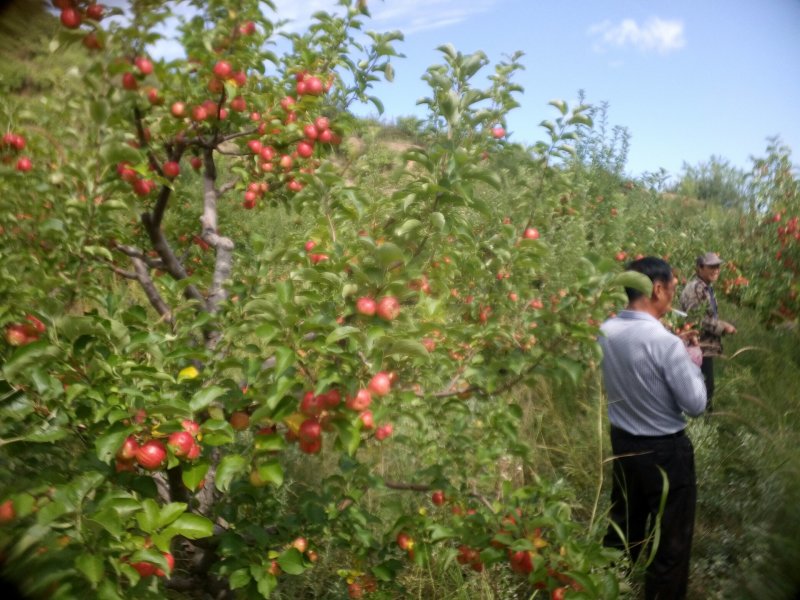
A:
{"x":228,"y":362}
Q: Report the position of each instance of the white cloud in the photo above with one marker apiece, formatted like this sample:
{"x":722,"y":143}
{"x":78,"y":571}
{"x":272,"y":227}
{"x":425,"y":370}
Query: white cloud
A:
{"x":409,"y":16}
{"x":654,"y":35}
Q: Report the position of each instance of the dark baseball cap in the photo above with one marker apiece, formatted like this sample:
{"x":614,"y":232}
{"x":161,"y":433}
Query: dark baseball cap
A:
{"x":709,"y":259}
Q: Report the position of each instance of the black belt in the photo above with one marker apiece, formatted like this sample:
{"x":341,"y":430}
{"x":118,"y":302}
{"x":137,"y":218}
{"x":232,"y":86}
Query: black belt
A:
{"x":621,"y":433}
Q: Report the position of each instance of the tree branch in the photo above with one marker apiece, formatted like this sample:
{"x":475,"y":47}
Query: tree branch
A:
{"x":143,"y":276}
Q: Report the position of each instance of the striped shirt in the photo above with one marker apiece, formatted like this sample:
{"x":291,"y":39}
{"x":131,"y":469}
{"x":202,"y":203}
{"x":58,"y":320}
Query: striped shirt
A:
{"x":649,"y":377}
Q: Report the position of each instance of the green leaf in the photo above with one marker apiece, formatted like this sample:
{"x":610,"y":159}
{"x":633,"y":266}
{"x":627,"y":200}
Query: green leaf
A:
{"x":439,"y":532}
{"x":388,"y":253}
{"x":25,"y":356}
{"x":407,"y":227}
{"x":403,"y":348}
{"x":107,"y":445}
{"x":120,"y":152}
{"x":239,"y":579}
{"x":271,"y":472}
{"x":340,"y":333}
{"x":229,"y":467}
{"x":192,"y":526}
{"x":194,"y":473}
{"x":99,"y":251}
{"x":284,"y":358}
{"x":267,"y":332}
{"x":98,"y":109}
{"x":437,"y":220}
{"x":91,"y":566}
{"x":170,"y":512}
{"x":291,"y":561}
{"x":204,"y":397}
{"x":560,"y":105}
{"x":148,"y":518}
{"x":634,"y":280}
{"x":269,"y":443}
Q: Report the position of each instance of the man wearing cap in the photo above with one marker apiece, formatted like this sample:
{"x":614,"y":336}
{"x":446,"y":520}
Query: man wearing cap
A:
{"x":699,"y":301}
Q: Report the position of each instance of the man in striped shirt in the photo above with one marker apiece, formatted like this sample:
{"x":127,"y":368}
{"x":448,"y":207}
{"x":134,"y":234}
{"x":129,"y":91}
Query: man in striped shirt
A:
{"x":652,"y":384}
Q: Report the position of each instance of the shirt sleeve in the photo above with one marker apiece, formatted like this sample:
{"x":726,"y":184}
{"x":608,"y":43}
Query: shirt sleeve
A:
{"x":684,"y":379}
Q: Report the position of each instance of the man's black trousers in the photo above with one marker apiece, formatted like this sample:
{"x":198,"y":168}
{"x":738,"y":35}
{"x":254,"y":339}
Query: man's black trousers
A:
{"x":707,"y":367}
{"x":636,"y":497}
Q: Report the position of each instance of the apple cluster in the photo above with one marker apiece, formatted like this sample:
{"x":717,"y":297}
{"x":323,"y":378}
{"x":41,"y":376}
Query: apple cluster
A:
{"x":387,"y":307}
{"x":11,"y":144}
{"x":22,"y":334}
{"x":152,"y":454}
{"x":318,"y":410}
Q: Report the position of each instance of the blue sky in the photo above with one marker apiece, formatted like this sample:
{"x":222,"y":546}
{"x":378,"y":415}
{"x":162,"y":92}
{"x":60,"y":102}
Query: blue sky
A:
{"x":688,"y":79}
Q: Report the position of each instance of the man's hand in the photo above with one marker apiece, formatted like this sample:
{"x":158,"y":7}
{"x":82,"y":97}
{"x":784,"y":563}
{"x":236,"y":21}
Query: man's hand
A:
{"x":729,"y":328}
{"x":690,"y":337}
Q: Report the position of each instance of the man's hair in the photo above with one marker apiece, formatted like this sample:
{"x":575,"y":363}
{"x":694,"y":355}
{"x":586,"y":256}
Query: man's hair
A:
{"x":655,"y":268}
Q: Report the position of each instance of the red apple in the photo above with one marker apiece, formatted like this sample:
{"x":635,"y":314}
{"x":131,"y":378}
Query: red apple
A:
{"x":181,"y":443}
{"x":95,"y":11}
{"x":360,"y":401}
{"x":332,"y":399}
{"x":145,"y":569}
{"x":24,"y":164}
{"x":238,"y":104}
{"x":70,"y":18}
{"x":7,"y":512}
{"x":129,"y":81}
{"x":286,"y":162}
{"x":310,"y":131}
{"x":178,"y":109}
{"x":311,"y":447}
{"x":196,"y":162}
{"x":128,"y":450}
{"x":520,"y":561}
{"x":310,"y":244}
{"x":383,"y":432}
{"x":153,"y":97}
{"x":199,"y":113}
{"x":404,"y":541}
{"x":305,"y":148}
{"x":144,"y":65}
{"x":16,"y":335}
{"x":255,"y":146}
{"x":171,"y":169}
{"x":170,"y":564}
{"x":367,"y":419}
{"x":247,"y":28}
{"x":380,"y":385}
{"x":194,"y":452}
{"x":151,"y":455}
{"x":438,"y":497}
{"x":498,"y":132}
{"x":309,"y":431}
{"x":240,"y":420}
{"x":531,"y":233}
{"x":355,"y":591}
{"x":313,"y":86}
{"x":223,"y":69}
{"x":321,"y":124}
{"x":366,"y":306}
{"x":388,"y":308}
{"x":314,"y":258}
{"x":325,"y":136}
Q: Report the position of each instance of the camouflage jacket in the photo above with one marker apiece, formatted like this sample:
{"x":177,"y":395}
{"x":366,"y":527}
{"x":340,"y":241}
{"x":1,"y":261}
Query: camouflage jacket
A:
{"x":698,"y":301}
